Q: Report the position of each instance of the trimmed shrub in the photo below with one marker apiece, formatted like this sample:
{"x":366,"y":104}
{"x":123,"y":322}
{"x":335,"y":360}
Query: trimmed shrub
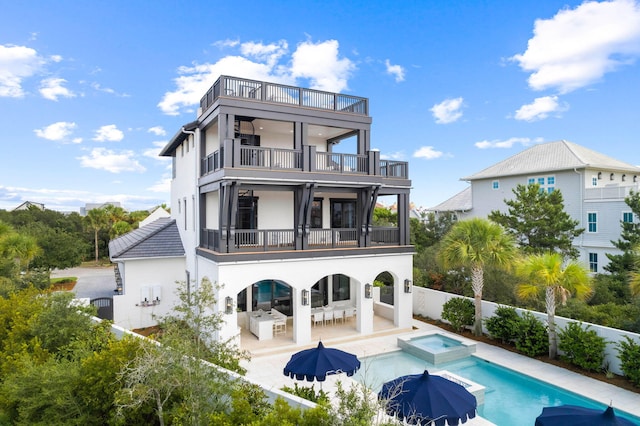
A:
{"x":533,"y":339}
{"x":629,"y":355}
{"x":459,"y":312}
{"x":308,"y":393}
{"x":504,"y":325}
{"x":582,"y":347}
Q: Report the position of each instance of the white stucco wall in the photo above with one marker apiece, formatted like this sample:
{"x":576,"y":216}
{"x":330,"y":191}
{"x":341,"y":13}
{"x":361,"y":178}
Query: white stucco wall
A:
{"x":159,"y":275}
{"x":303,"y":274}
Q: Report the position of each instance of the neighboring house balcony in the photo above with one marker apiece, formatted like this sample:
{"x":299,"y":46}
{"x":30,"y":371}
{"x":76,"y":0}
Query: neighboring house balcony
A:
{"x":610,"y":192}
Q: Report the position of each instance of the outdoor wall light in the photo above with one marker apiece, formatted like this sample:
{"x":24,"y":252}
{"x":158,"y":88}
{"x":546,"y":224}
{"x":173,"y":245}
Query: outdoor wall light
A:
{"x":228,"y":307}
{"x":612,"y":176}
{"x":599,"y":175}
{"x":407,"y":286}
{"x":305,"y":297}
{"x":368,"y":291}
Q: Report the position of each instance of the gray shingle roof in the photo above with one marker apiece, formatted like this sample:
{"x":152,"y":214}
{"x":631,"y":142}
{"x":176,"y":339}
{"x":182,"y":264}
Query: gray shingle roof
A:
{"x":461,"y":202}
{"x":552,"y":156}
{"x":157,"y":239}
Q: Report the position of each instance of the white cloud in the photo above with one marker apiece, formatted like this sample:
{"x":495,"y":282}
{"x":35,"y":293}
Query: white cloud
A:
{"x":105,"y":159}
{"x":320,"y":63}
{"x":163,"y":185}
{"x":16,"y":64}
{"x":108,"y":133}
{"x":428,"y":153}
{"x":540,"y":109}
{"x":578,"y":46}
{"x":398,"y":155}
{"x":98,"y":87}
{"x":395,"y":70}
{"x":507,"y":143}
{"x":57,"y":131}
{"x":157,"y":130}
{"x":448,"y":110}
{"x":52,"y":88}
{"x":155,"y":151}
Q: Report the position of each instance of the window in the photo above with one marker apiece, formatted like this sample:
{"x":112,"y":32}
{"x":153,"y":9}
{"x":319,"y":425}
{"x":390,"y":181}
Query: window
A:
{"x":627,"y":217}
{"x":547,"y":184}
{"x":593,"y":262}
{"x":341,"y":288}
{"x":316,"y":213}
{"x":343,"y":214}
{"x":247,"y":213}
{"x":541,"y":181}
{"x":550,"y":189}
{"x":532,"y":181}
{"x":594,"y":181}
{"x":551,"y":180}
{"x":185,"y":213}
{"x":592,"y":220}
{"x":495,"y":184}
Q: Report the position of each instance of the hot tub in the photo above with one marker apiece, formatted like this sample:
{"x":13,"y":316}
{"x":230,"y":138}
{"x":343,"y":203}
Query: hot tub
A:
{"x":437,"y":348}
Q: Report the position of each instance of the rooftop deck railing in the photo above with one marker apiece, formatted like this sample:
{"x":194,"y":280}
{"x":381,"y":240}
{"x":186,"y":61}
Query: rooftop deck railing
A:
{"x":282,"y":94}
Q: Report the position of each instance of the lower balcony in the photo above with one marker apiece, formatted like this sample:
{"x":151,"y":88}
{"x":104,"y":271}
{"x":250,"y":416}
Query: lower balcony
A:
{"x":251,"y":240}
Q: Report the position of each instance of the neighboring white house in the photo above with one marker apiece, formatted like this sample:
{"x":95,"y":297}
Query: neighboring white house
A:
{"x":266,"y":209}
{"x":29,"y":204}
{"x":149,"y":262}
{"x":593,"y":187}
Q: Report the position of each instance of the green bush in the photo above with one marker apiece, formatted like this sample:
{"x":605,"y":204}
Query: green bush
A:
{"x":582,"y":347}
{"x":308,"y":393}
{"x":458,"y":312}
{"x":532,"y":339}
{"x":504,"y":325}
{"x":629,"y":355}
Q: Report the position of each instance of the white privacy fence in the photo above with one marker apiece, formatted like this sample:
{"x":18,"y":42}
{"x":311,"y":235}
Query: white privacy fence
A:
{"x":428,"y":303}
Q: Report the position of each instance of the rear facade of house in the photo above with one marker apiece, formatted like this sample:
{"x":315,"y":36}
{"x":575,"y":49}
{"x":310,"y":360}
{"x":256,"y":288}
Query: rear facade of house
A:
{"x":273,"y":191}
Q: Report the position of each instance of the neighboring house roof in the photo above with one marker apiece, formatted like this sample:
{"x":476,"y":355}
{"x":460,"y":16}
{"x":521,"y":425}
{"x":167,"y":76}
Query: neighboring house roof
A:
{"x":178,"y":138}
{"x":157,"y":239}
{"x":28,"y":204}
{"x":552,"y":156}
{"x":155,"y":215}
{"x":461,"y":202}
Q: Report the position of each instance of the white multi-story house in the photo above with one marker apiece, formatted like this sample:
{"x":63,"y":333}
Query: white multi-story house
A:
{"x":593,"y":187}
{"x":268,"y":209}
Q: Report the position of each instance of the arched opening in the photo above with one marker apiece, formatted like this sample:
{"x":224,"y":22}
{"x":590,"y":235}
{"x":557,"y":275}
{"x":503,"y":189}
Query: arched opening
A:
{"x":384,"y":281}
{"x":331,"y":289}
{"x":266,"y":295}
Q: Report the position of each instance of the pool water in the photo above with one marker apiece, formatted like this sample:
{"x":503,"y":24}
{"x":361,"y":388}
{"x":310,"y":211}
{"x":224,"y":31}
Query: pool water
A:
{"x":435,"y":343}
{"x":510,"y":398}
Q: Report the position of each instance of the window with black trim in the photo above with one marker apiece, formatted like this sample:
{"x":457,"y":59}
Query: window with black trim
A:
{"x":316,"y":213}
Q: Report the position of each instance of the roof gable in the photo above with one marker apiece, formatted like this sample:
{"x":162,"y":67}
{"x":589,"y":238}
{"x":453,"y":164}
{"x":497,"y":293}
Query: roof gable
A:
{"x":550,"y":157}
{"x":157,"y":239}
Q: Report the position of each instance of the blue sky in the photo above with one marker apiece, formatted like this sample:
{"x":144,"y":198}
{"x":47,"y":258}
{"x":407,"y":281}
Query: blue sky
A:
{"x":90,"y":91}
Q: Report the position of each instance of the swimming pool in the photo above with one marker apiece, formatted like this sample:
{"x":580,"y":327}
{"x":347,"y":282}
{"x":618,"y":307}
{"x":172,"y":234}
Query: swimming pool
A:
{"x":510,"y":398}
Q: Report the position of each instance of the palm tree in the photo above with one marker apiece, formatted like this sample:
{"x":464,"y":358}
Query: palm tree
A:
{"x":97,"y":219}
{"x":634,"y":275}
{"x":477,"y":243}
{"x":21,"y":248}
{"x":558,"y":280}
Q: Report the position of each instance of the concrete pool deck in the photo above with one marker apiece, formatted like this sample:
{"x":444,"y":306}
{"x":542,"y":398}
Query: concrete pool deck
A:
{"x":266,"y":368}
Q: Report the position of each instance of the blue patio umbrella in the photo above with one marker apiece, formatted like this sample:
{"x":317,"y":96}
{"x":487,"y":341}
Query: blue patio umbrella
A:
{"x":423,"y":398}
{"x":316,"y":363}
{"x":573,"y":415}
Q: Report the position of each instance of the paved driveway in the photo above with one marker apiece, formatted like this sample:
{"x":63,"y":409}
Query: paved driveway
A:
{"x":93,"y":282}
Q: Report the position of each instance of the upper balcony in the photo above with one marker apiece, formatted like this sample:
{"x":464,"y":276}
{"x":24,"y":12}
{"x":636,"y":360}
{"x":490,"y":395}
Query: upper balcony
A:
{"x":233,"y":87}
{"x":235,"y":155}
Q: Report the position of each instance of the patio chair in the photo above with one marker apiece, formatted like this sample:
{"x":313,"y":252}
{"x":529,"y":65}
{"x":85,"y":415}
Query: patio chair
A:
{"x":338,"y":314}
{"x":329,"y":316}
{"x":349,"y":313}
{"x":317,"y":318}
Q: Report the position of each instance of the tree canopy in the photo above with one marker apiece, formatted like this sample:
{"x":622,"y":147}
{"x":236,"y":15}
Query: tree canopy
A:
{"x":538,"y":221}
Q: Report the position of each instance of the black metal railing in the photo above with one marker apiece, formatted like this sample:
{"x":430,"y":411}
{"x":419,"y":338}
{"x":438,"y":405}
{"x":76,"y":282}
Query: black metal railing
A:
{"x":282,"y":94}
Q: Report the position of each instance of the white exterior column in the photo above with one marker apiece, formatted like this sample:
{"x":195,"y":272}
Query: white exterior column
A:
{"x":364,"y":314}
{"x":229,"y":329}
{"x":403,"y":312}
{"x":301,"y":317}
